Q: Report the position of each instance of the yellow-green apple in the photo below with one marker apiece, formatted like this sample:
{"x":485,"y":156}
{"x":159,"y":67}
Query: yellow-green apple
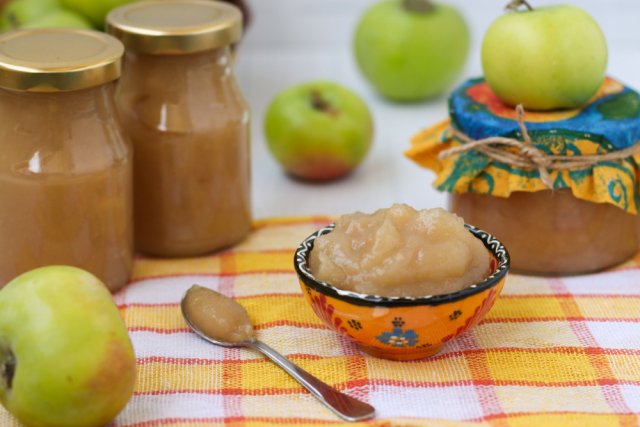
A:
{"x":318,"y":131}
{"x":39,"y":14}
{"x":410,"y":50}
{"x":65,"y":356}
{"x":16,"y":13}
{"x":94,"y":10}
{"x":59,"y":18}
{"x":544,"y":58}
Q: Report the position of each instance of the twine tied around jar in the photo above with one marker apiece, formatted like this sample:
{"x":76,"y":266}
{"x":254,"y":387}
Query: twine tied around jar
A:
{"x":528,"y":156}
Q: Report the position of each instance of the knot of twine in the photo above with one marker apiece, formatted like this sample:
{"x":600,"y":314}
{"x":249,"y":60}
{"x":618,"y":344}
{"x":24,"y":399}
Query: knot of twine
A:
{"x":527,"y":155}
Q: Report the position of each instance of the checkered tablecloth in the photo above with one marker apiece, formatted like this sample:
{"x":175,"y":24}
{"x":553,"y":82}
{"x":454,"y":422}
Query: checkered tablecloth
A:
{"x":552,"y":352}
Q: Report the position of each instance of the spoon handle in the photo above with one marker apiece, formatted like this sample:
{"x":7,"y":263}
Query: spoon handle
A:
{"x":345,"y":406}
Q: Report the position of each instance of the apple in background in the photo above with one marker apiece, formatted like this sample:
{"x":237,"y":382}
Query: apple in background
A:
{"x":65,"y":355}
{"x":410,"y":50}
{"x":60,"y":18}
{"x":39,"y":14}
{"x":546,"y":58}
{"x":18,"y":12}
{"x":318,"y":131}
{"x":95,"y":10}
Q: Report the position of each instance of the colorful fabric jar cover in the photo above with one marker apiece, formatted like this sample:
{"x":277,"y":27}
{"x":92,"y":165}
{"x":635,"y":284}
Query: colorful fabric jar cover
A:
{"x":610,"y":122}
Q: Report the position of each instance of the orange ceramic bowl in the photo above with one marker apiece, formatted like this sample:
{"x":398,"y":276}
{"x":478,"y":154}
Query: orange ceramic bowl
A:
{"x":402,"y":328}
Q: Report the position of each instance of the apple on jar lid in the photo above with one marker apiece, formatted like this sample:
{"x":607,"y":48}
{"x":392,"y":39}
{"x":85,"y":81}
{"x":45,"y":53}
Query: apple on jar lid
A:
{"x":545,"y":58}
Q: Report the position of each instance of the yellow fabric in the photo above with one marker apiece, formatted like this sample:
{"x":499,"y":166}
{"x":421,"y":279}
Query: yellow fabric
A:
{"x":552,"y":352}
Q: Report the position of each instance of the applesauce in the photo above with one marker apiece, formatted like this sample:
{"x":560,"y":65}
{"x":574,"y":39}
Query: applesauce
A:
{"x":553,"y":232}
{"x":189,"y":124}
{"x":216,"y":315}
{"x":400,"y":252}
{"x":65,"y":169}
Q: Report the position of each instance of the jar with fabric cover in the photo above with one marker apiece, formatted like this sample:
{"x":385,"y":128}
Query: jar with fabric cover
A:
{"x":559,"y":188}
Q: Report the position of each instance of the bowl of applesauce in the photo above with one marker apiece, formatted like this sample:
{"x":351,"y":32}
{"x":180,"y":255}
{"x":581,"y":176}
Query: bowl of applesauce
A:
{"x":400,"y":283}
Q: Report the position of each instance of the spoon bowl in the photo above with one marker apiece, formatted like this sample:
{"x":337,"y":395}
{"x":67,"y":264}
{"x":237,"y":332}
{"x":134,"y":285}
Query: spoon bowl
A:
{"x":198,"y":332}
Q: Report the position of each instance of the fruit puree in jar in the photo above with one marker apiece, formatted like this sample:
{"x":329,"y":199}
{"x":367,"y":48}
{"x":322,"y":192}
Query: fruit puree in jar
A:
{"x":191,"y":174}
{"x":65,"y":168}
{"x":188,"y":122}
{"x":553,"y":232}
{"x":83,"y":220}
{"x":400,"y":251}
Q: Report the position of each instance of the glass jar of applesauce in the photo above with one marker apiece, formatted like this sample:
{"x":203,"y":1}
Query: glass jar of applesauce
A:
{"x":189,"y":124}
{"x":570,"y":205}
{"x":65,"y":169}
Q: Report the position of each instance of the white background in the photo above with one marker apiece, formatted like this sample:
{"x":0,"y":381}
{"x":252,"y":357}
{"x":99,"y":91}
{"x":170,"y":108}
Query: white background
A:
{"x":293,"y":41}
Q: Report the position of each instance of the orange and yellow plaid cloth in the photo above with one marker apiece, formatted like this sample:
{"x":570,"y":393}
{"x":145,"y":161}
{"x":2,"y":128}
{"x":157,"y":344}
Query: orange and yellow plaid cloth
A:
{"x":552,"y":352}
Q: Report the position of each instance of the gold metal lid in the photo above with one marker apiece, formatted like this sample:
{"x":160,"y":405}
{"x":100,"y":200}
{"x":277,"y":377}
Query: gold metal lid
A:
{"x":172,"y":27}
{"x":58,"y":59}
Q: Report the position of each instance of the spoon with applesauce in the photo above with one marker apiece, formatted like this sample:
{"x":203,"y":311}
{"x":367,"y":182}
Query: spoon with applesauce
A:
{"x":222,"y":321}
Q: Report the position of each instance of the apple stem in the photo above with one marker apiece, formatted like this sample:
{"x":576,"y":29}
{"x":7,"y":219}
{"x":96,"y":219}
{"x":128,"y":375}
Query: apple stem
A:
{"x":7,"y":367}
{"x":515,"y":4}
{"x":321,"y":104}
{"x":418,"y":6}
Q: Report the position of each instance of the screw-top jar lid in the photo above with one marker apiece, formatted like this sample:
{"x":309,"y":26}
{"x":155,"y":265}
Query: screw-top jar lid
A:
{"x":58,"y":59}
{"x":170,"y":27}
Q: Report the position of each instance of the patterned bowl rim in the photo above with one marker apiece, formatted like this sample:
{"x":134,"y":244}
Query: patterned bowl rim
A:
{"x":301,"y":257}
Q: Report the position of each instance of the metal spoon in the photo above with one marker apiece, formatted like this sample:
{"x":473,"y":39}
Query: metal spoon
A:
{"x":344,"y":406}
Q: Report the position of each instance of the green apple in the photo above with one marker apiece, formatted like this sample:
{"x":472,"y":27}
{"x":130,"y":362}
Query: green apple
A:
{"x":65,"y":356}
{"x":18,"y":12}
{"x":94,"y":10}
{"x":318,"y":131}
{"x":411,"y":50}
{"x":545,"y":58}
{"x":59,"y":18}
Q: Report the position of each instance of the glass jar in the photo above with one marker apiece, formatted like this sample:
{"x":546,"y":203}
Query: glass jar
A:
{"x":553,"y":232}
{"x":189,"y":123}
{"x":65,"y":169}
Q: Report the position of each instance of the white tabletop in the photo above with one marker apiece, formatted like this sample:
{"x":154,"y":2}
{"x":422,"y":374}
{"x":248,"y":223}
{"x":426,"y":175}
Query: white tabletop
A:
{"x":293,"y":41}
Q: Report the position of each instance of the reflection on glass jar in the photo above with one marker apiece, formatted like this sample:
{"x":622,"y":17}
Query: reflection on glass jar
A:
{"x":65,"y":169}
{"x":189,"y":124}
